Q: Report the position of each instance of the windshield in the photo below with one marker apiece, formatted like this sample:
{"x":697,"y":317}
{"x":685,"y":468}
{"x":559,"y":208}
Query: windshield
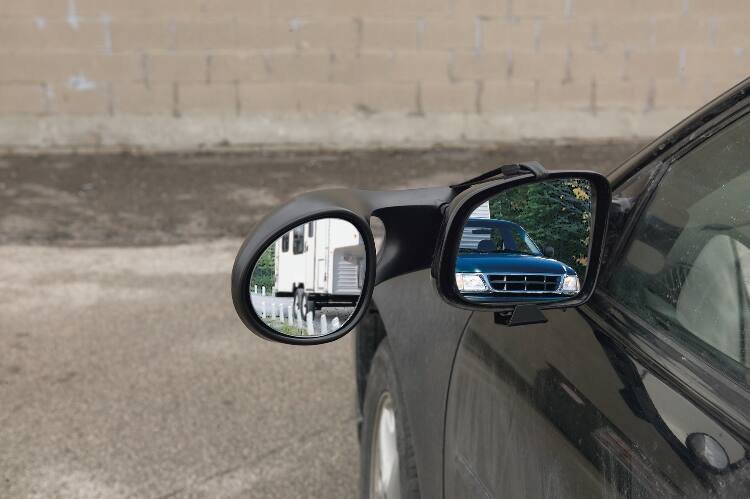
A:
{"x":501,"y":238}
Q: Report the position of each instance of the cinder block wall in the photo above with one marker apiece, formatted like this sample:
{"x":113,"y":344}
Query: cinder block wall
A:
{"x":176,"y":74}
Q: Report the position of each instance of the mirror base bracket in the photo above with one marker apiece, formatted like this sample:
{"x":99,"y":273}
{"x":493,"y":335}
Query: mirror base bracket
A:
{"x":521,"y":315}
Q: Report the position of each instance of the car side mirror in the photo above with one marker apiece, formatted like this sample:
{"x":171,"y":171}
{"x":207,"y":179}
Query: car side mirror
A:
{"x":306,"y":273}
{"x":489,"y":259}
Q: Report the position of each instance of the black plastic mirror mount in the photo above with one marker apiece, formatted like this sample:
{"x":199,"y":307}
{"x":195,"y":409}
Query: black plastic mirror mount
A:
{"x":458,"y":211}
{"x":304,"y":209}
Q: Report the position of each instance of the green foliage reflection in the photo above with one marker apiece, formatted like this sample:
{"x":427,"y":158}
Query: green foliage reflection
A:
{"x":555,"y":213}
{"x":264,"y":274}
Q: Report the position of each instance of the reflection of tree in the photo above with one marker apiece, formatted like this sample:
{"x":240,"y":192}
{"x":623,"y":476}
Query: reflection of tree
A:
{"x":263,"y":274}
{"x":555,"y":213}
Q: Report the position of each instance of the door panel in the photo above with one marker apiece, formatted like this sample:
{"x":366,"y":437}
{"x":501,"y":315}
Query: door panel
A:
{"x":499,"y":443}
{"x":558,"y":410}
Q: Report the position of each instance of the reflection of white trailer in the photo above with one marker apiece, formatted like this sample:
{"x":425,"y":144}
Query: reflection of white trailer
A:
{"x":470,"y":239}
{"x":320,"y":264}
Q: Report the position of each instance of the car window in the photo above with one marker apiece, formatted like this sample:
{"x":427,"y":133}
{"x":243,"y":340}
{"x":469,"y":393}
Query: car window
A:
{"x":480,"y":240}
{"x":285,"y":243}
{"x":505,"y":239}
{"x":686,"y":270}
{"x":298,"y":240}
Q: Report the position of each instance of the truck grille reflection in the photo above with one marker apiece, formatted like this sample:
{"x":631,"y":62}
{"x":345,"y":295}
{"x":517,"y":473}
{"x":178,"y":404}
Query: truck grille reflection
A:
{"x":524,"y":283}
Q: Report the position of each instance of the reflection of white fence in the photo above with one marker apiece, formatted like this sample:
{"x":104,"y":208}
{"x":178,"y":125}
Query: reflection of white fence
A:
{"x":299,"y":318}
{"x":294,"y":318}
{"x":310,"y":326}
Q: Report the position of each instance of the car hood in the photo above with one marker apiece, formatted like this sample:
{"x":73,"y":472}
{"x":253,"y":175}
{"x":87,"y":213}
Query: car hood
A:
{"x":500,"y":263}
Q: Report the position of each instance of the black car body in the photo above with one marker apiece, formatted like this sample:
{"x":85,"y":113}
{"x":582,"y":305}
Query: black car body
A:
{"x":631,"y":395}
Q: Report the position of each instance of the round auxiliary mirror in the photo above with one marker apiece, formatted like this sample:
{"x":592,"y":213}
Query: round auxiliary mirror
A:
{"x":309,"y":281}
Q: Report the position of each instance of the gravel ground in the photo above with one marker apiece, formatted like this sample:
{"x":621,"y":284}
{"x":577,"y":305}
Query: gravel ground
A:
{"x":123,"y":369}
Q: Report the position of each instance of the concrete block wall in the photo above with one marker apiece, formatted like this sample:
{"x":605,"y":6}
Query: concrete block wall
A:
{"x":181,"y":74}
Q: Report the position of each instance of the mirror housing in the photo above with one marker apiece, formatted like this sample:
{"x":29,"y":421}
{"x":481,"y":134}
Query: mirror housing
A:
{"x":340,"y":204}
{"x":463,"y":205}
{"x":549,"y":251}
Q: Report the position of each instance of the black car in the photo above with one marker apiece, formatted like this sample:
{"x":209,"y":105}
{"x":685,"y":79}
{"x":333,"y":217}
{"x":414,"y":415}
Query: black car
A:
{"x":640,"y":388}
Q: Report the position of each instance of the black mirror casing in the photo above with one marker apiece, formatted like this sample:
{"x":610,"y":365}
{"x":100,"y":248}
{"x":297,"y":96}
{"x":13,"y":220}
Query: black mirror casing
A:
{"x":342,"y":204}
{"x":464,"y":203}
{"x":407,"y":247}
{"x":549,"y":251}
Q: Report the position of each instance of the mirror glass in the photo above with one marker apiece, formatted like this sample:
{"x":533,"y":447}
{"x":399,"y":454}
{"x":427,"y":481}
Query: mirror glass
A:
{"x":529,"y":243}
{"x":308,"y":281}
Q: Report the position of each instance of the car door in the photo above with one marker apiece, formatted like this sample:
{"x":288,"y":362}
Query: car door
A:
{"x":644,"y":391}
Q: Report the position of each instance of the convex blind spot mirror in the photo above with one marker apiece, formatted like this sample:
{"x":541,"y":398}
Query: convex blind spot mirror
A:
{"x":529,"y":243}
{"x":309,"y":280}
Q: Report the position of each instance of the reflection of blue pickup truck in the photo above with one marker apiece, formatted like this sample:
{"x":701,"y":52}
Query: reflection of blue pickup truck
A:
{"x":497,"y":258}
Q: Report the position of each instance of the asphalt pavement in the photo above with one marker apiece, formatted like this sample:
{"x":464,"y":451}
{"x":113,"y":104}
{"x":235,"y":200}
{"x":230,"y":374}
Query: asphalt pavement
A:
{"x":124,"y":371}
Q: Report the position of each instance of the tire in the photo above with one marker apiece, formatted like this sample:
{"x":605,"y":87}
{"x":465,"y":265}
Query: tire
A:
{"x":383,"y":401}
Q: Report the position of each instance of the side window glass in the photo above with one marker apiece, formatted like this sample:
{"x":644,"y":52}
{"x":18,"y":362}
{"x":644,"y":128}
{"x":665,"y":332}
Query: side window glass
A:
{"x":285,"y":243}
{"x":298,"y":240}
{"x":686,"y":270}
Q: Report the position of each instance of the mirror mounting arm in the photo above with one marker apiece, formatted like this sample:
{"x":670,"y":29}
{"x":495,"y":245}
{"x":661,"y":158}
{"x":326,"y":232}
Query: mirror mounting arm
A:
{"x":506,"y":171}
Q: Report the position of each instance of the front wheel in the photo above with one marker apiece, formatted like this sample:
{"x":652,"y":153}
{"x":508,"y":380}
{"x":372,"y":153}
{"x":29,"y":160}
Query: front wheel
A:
{"x":388,"y":468}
